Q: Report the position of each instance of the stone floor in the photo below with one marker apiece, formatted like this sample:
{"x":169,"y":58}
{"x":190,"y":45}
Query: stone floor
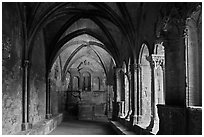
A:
{"x":79,"y":127}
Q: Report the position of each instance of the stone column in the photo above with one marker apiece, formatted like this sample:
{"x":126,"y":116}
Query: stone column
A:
{"x":138,"y":94}
{"x":130,"y":94}
{"x":118,"y":80}
{"x":134,"y":80}
{"x":155,"y":61}
{"x":117,"y":92}
{"x":26,"y":97}
{"x":48,"y":102}
{"x":109,"y":104}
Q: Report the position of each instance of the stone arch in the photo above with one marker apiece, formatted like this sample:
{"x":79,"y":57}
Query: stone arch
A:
{"x":144,"y":87}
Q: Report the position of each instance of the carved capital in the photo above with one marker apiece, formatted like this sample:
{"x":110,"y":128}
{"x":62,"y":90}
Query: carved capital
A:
{"x":136,"y":66}
{"x":156,"y":60}
{"x":26,"y":63}
{"x":185,"y":32}
{"x":160,"y":42}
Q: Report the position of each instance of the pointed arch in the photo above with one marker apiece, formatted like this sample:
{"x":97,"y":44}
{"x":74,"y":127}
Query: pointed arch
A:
{"x":144,"y":87}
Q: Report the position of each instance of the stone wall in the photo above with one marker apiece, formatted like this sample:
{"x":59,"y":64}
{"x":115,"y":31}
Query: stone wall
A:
{"x":11,"y":69}
{"x":179,"y":120}
{"x":194,"y":124}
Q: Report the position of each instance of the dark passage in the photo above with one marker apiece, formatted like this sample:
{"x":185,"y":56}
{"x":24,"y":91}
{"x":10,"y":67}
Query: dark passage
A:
{"x":80,"y":127}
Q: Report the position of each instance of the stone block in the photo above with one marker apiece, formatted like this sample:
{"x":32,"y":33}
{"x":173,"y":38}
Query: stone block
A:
{"x":194,"y":117}
{"x":172,"y":120}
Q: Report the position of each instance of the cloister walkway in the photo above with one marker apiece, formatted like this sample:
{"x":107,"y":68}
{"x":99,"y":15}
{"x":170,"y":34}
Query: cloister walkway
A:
{"x":79,"y":127}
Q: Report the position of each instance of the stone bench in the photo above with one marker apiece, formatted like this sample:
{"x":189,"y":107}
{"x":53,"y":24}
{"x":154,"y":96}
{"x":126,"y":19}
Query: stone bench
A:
{"x":44,"y":127}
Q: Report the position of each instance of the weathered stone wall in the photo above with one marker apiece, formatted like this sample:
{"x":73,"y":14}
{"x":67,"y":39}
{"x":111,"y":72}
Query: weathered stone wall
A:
{"x":190,"y":120}
{"x":12,"y":45}
{"x":194,"y":124}
{"x":37,"y":81}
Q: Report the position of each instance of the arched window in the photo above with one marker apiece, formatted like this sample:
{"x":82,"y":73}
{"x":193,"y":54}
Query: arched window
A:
{"x":86,"y":81}
{"x":145,"y":99}
{"x":193,"y":43}
{"x":75,"y":83}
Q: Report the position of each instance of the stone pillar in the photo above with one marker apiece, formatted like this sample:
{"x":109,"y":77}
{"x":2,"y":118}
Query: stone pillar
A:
{"x":117,"y":93}
{"x":48,"y":102}
{"x":118,"y":84}
{"x":26,"y":97}
{"x":130,"y":94}
{"x":133,"y":117}
{"x":139,"y":88}
{"x":156,"y":61}
{"x":109,"y":104}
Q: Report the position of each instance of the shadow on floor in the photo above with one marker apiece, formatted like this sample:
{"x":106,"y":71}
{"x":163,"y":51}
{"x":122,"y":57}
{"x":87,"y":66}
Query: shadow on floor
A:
{"x":72,"y":126}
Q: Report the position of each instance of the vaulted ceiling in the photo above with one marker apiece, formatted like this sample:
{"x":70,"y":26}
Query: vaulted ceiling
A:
{"x":105,"y":32}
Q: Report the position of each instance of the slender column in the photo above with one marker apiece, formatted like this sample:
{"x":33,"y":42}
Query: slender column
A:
{"x":48,"y":102}
{"x":164,"y":82}
{"x":139,"y":94}
{"x":134,"y":93}
{"x":115,"y":105}
{"x":109,"y":100}
{"x":25,"y":97}
{"x":118,"y":80}
{"x":119,"y":90}
{"x":129,"y":95}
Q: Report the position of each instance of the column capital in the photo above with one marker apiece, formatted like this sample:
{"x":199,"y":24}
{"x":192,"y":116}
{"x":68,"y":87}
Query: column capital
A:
{"x":185,"y":32}
{"x":159,"y":42}
{"x":26,"y":63}
{"x":136,"y":66}
{"x":156,"y":60}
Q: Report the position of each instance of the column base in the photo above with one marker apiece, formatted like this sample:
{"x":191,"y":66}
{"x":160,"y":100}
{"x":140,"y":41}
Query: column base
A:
{"x":26,"y":126}
{"x":133,"y":119}
{"x":128,"y":115}
{"x":155,"y":128}
{"x":48,"y":116}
